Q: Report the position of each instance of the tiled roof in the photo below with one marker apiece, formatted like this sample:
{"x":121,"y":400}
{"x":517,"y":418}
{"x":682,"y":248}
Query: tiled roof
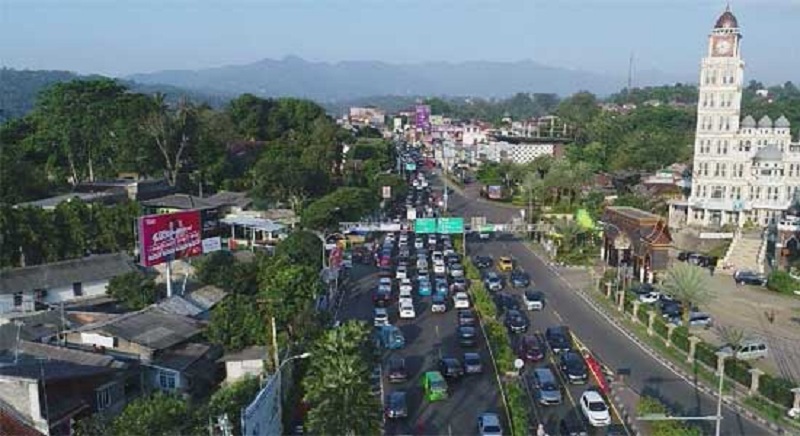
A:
{"x":182,"y":357}
{"x":65,"y":273}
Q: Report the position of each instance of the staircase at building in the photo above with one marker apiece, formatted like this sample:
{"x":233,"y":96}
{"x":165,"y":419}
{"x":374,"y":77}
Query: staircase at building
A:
{"x":746,"y":252}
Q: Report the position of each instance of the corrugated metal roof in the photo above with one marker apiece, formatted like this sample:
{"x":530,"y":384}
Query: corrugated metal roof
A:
{"x":65,"y":273}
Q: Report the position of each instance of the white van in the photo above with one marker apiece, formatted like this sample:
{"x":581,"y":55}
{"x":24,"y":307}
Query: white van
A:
{"x":751,"y":349}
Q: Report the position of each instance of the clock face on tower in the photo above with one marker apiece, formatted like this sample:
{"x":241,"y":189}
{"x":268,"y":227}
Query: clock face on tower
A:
{"x":723,"y":47}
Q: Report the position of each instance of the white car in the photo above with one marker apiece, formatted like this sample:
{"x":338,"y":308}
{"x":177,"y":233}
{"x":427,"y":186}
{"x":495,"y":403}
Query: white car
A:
{"x":407,"y":310}
{"x":381,"y":317}
{"x":461,"y":300}
{"x":432,"y":240}
{"x":401,"y":273}
{"x":456,"y":270}
{"x":438,"y":267}
{"x":650,"y":297}
{"x":422,"y":263}
{"x":489,"y":425}
{"x":595,"y":409}
{"x":419,"y":243}
{"x":437,"y":257}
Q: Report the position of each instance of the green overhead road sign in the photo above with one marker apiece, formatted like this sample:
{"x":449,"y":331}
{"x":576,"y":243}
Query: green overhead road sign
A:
{"x":425,"y":225}
{"x":486,"y":228}
{"x":451,"y":225}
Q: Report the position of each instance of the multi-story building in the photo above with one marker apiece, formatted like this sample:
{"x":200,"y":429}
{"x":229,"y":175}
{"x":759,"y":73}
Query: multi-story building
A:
{"x":744,"y":171}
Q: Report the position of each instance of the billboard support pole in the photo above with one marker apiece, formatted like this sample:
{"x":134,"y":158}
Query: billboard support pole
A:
{"x":169,"y":278}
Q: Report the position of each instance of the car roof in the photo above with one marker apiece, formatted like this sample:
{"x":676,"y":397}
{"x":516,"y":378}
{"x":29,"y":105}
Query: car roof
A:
{"x":471,"y":355}
{"x":593,"y":396}
{"x":380,"y":310}
{"x":490,"y":419}
{"x":433,"y":376}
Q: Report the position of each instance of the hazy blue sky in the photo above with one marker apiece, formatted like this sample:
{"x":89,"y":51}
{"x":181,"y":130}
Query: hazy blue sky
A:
{"x":119,"y":37}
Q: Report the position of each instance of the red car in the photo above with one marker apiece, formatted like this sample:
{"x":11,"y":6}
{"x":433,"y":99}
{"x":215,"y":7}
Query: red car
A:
{"x":530,"y":348}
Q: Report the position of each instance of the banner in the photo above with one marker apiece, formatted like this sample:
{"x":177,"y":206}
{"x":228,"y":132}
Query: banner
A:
{"x":169,"y":236}
{"x":262,"y":417}
{"x":212,"y":244}
{"x":386,"y":192}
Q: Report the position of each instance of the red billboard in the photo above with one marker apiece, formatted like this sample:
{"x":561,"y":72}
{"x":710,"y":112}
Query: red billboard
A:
{"x":170,"y":236}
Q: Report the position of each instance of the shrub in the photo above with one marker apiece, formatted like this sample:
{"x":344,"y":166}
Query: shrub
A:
{"x":778,"y":390}
{"x":783,"y":282}
{"x":499,"y":341}
{"x":660,"y":327}
{"x":705,"y":354}
{"x":643,"y":315}
{"x":737,"y":370}
{"x":680,"y":337}
{"x":651,"y":405}
{"x":518,"y":408}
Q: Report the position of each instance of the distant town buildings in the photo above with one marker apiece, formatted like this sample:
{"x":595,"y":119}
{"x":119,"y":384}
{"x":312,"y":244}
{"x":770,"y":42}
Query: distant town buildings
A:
{"x":744,"y":171}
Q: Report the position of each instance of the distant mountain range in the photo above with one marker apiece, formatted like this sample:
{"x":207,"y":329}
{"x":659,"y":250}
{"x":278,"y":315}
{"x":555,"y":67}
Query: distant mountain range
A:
{"x":328,"y":82}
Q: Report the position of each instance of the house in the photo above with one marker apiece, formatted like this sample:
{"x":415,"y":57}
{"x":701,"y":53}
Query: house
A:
{"x":45,"y":388}
{"x":21,"y":289}
{"x":249,"y":361}
{"x":162,"y":341}
{"x":196,"y":304}
{"x":130,"y":185}
{"x":50,"y":203}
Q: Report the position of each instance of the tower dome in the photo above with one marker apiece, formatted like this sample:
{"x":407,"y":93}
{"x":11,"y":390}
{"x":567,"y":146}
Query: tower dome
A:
{"x":727,"y":20}
{"x":765,"y":122}
{"x":782,"y":122}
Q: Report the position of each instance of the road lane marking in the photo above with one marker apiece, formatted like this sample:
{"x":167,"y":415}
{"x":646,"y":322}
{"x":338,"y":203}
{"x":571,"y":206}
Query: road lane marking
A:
{"x":449,"y":430}
{"x":436,"y":329}
{"x":560,"y":319}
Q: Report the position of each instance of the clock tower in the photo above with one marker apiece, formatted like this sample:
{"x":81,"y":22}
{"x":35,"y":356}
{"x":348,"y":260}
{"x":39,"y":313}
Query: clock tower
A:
{"x":718,"y":108}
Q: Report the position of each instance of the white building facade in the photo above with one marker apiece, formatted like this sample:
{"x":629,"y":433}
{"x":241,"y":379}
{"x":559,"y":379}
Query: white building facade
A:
{"x":744,"y":171}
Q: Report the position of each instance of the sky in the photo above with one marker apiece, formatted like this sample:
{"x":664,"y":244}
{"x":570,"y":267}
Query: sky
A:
{"x":120,"y":37}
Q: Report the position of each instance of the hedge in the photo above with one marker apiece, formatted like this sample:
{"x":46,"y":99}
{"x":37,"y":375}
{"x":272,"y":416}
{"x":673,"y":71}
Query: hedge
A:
{"x":782,"y":282}
{"x":738,"y":370}
{"x":704,"y":353}
{"x":500,"y":343}
{"x":660,"y":327}
{"x":779,"y":390}
{"x":680,"y":337}
{"x":518,"y":406}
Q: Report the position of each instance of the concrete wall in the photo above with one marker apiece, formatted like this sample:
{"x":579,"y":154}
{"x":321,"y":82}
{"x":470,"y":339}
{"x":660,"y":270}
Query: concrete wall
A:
{"x":235,"y":370}
{"x":23,"y":396}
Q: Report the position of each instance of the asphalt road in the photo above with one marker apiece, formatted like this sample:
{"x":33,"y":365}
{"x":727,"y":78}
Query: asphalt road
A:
{"x":428,"y":337}
{"x":611,"y":346}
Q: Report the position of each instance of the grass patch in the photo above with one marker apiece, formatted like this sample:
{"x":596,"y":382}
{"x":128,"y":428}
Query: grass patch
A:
{"x":772,"y":413}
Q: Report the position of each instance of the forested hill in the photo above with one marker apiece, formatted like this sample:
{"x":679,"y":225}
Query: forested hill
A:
{"x":19,"y":89}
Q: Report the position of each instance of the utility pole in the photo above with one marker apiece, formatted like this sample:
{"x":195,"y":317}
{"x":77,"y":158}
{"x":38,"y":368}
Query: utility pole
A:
{"x":630,"y":74}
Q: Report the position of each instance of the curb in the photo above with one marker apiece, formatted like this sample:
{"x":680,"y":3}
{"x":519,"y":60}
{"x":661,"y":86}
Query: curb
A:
{"x":732,"y":405}
{"x":628,"y":418}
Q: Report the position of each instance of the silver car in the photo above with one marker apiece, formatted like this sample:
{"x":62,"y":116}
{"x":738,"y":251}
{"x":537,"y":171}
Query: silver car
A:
{"x":548,"y":391}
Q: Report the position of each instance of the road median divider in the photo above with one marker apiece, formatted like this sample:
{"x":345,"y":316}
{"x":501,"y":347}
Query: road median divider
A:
{"x":499,"y":345}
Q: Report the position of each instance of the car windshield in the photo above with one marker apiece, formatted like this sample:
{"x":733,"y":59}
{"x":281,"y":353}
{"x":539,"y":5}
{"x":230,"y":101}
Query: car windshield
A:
{"x":597,"y":406}
{"x":438,"y":385}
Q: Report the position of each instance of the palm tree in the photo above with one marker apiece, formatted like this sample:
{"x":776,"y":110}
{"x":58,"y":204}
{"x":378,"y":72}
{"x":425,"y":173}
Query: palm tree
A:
{"x":337,"y":385}
{"x":732,"y":336}
{"x":687,"y":283}
{"x":532,"y":186}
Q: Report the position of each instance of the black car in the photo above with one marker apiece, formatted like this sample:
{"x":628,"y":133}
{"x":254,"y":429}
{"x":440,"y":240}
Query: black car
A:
{"x":573,"y":367}
{"x":452,"y":258}
{"x":671,"y":309}
{"x":516,"y":322}
{"x":572,"y":426}
{"x":382,"y":297}
{"x":466,"y":318}
{"x":749,"y":278}
{"x":483,"y":261}
{"x":396,"y":405}
{"x":505,"y":302}
{"x":530,"y":348}
{"x":467,"y":336}
{"x":472,"y":363}
{"x":683,"y":256}
{"x":398,"y":372}
{"x":559,"y":339}
{"x":520,"y":279}
{"x":450,"y":367}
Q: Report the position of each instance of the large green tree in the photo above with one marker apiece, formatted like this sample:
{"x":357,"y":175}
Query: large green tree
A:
{"x":157,"y":414}
{"x":287,"y":290}
{"x":301,"y":247}
{"x":135,"y":290}
{"x":343,"y":204}
{"x":337,"y":385}
{"x":237,"y":322}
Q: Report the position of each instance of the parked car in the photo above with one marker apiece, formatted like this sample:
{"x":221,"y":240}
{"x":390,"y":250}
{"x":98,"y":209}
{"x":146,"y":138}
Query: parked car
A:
{"x":749,"y":278}
{"x":516,"y":322}
{"x":650,"y":297}
{"x":594,"y":408}
{"x":396,"y":405}
{"x":505,"y":264}
{"x":407,"y":310}
{"x":520,"y":279}
{"x":382,"y":297}
{"x":466,"y":318}
{"x":397,"y":370}
{"x":482,"y":262}
{"x":749,"y":349}
{"x":548,"y":391}
{"x":450,"y":367}
{"x":461,"y":300}
{"x":559,"y":339}
{"x":530,"y":348}
{"x":489,"y":425}
{"x":493,"y":281}
{"x":534,"y":300}
{"x":467,"y":336}
{"x":573,"y":367}
{"x":472,"y":363}
{"x":381,"y":317}
{"x":438,"y":303}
